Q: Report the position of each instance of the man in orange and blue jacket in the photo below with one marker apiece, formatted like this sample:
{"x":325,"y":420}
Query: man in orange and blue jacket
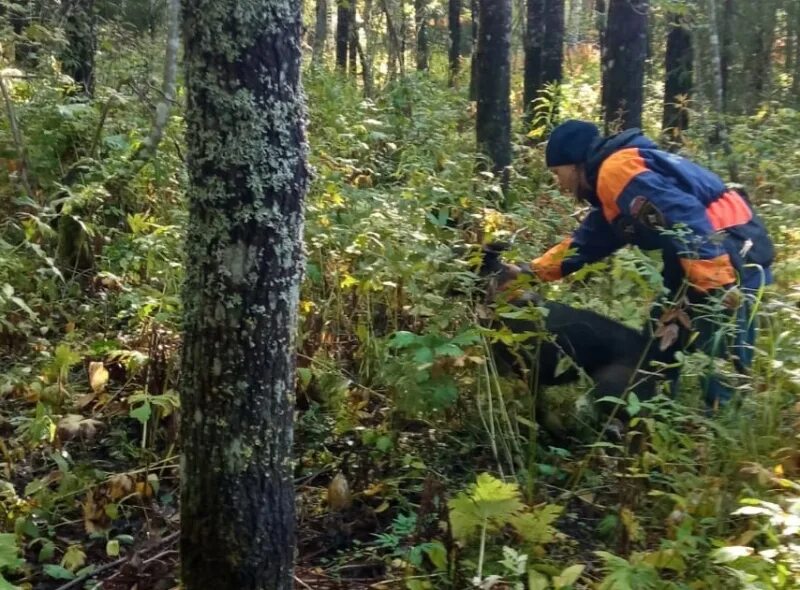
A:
{"x":714,"y":246}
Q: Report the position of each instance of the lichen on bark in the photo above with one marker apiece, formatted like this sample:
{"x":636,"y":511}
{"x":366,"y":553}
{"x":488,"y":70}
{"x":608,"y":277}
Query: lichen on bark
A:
{"x":247,"y":162}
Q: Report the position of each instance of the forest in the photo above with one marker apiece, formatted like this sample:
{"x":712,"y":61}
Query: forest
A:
{"x":253,"y":328}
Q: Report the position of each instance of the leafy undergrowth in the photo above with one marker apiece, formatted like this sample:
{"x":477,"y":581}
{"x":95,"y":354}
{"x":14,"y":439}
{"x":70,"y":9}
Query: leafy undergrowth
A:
{"x":417,"y":465}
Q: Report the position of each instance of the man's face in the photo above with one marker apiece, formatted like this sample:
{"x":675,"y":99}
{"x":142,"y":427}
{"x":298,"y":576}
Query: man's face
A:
{"x":569,"y":178}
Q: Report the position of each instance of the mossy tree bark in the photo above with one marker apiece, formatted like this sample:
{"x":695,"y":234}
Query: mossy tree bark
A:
{"x":248,"y":174}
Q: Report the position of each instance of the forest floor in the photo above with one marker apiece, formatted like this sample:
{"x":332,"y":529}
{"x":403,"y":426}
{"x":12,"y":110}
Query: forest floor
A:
{"x":418,"y":467}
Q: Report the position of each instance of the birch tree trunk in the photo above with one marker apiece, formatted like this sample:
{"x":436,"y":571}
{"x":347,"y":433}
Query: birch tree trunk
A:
{"x":248,"y":175}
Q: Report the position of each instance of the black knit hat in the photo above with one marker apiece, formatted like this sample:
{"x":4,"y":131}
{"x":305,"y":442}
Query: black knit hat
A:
{"x":569,"y":143}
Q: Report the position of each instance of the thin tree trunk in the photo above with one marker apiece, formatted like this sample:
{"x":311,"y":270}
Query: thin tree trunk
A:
{"x":760,"y":66}
{"x":80,"y":31}
{"x":342,"y":34}
{"x":553,"y":47}
{"x":394,"y":40}
{"x":679,"y":61}
{"x":573,"y":29}
{"x":601,"y":15}
{"x":626,"y":39}
{"x":19,"y":142}
{"x":791,"y":12}
{"x":421,"y":24}
{"x":20,"y":16}
{"x":493,"y":121}
{"x":796,"y":72}
{"x":726,"y":51}
{"x":403,"y":38}
{"x":473,"y":78}
{"x":454,"y":26}
{"x":722,"y":129}
{"x":320,"y":35}
{"x":168,"y":86}
{"x":243,"y":270}
{"x":367,"y":56}
{"x":534,"y":39}
{"x":352,"y":51}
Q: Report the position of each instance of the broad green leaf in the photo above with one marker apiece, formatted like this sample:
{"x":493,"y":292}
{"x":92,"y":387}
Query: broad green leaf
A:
{"x":9,"y":552}
{"x":634,"y":405}
{"x":112,"y":548}
{"x":537,"y":580}
{"x":57,"y":572}
{"x":569,"y":576}
{"x":142,"y":413}
{"x":437,"y":554}
{"x":402,"y":339}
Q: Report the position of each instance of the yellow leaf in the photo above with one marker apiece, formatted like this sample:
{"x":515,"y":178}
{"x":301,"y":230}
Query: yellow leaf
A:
{"x":348,"y":281}
{"x":375,"y":489}
{"x":74,"y":558}
{"x":98,"y":376}
{"x":119,"y":486}
{"x":144,"y":489}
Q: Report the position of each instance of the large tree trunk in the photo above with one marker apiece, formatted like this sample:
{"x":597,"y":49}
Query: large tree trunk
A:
{"x":716,"y":66}
{"x":81,"y":36}
{"x":320,"y":34}
{"x":493,"y":122}
{"x":678,"y":68}
{"x":248,"y":175}
{"x":534,"y":38}
{"x":342,"y":34}
{"x":454,"y":25}
{"x":626,"y":41}
{"x":421,"y":24}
